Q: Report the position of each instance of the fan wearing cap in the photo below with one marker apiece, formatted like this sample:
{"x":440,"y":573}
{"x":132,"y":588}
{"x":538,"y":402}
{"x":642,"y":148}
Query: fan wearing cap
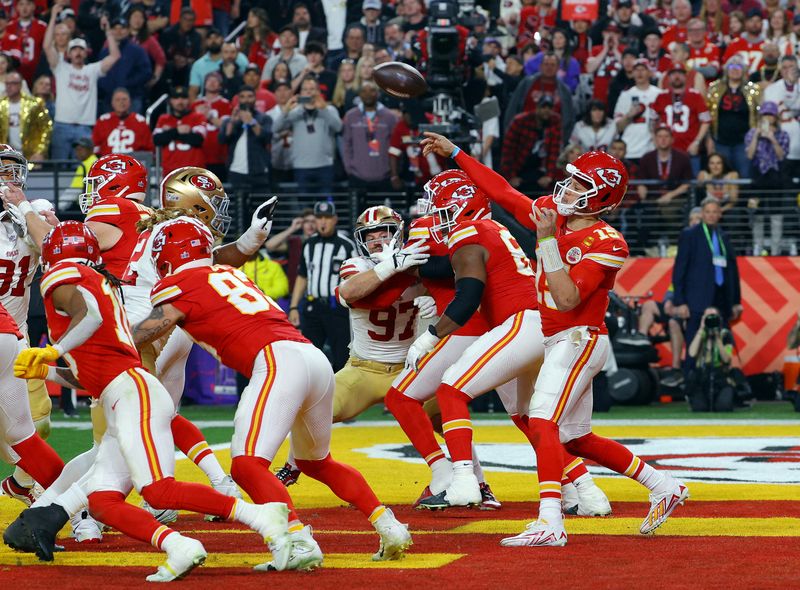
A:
{"x":121,"y":131}
{"x":24,"y":37}
{"x":289,"y":54}
{"x":180,"y":133}
{"x":632,"y":112}
{"x":749,"y":43}
{"x":679,"y":55}
{"x":132,"y":72}
{"x":214,"y":107}
{"x":605,"y":60}
{"x":265,"y":99}
{"x":372,"y":21}
{"x":76,"y":101}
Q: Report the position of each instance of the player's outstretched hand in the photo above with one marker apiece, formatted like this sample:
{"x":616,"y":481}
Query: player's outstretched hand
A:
{"x":421,"y":346}
{"x":545,"y":221}
{"x":262,"y":216}
{"x":31,"y":363}
{"x":426,"y":305}
{"x":436,"y":144}
{"x":391,"y":260}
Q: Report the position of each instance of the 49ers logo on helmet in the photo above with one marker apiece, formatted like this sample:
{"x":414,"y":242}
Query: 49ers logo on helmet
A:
{"x":610,"y":176}
{"x":114,"y":166}
{"x":202,"y":182}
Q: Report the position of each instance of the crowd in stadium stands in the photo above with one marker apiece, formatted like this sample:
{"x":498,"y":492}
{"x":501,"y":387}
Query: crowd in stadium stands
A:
{"x":699,"y":98}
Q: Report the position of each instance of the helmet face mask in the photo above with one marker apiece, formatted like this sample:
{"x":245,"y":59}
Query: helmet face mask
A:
{"x":378,"y":219}
{"x":597,"y":184}
{"x":577,"y":199}
{"x":13,"y":167}
{"x":370,"y":244}
{"x":444,"y":220}
{"x":199,"y":191}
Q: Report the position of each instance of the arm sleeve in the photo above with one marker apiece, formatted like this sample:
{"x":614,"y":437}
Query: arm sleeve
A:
{"x":192,"y":138}
{"x":163,"y":137}
{"x":497,"y":188}
{"x":386,"y":294}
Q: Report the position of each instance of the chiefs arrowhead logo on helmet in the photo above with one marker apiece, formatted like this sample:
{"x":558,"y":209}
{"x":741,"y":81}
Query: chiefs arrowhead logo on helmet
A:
{"x":113,"y":166}
{"x":202,"y":182}
{"x":610,"y":176}
{"x":597,"y":184}
{"x":455,"y":199}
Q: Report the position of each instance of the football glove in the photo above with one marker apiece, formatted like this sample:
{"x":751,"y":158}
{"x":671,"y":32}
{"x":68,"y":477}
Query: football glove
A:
{"x":31,"y":363}
{"x":426,"y":305}
{"x":421,"y":346}
{"x":260,"y":227}
{"x":392,"y":260}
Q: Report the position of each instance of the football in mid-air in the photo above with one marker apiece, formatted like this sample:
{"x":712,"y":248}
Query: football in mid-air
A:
{"x":400,"y":80}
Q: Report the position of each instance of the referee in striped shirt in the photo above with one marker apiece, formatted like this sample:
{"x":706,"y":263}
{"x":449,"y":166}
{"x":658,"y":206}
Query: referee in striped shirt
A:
{"x":314,"y":307}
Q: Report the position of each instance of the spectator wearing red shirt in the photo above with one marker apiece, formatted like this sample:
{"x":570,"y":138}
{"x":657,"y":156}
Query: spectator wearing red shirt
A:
{"x":532,"y":19}
{"x":581,"y":41}
{"x":213,"y":106}
{"x":703,"y":55}
{"x":717,"y":21}
{"x":682,"y":12}
{"x":24,"y":39}
{"x":685,"y":112}
{"x":657,"y":58}
{"x":532,"y":146}
{"x":258,"y":39}
{"x":265,"y":99}
{"x":606,"y":61}
{"x":120,"y":131}
{"x":404,"y":145}
{"x":180,"y":133}
{"x":749,"y":43}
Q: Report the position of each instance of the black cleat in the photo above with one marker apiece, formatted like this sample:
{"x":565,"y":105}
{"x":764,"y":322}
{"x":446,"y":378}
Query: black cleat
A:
{"x":19,"y":538}
{"x":43,"y":524}
{"x":434,"y":502}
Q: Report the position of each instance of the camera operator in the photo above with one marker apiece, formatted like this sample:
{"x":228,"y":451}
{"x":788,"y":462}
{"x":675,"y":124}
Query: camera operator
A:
{"x":709,"y":387}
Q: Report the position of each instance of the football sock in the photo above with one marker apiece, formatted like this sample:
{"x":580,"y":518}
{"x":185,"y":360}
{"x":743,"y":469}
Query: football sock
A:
{"x":39,"y":460}
{"x":574,"y":468}
{"x":111,"y":509}
{"x":344,"y":481}
{"x":611,"y":454}
{"x":73,"y":500}
{"x":192,"y":443}
{"x":456,"y":423}
{"x":181,"y":495}
{"x":549,"y":466}
{"x":416,"y":424}
{"x":290,"y":460}
{"x":255,"y":478}
{"x":441,"y":475}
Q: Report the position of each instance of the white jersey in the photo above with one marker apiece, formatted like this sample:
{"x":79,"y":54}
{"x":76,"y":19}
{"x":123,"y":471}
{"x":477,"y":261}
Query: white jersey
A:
{"x":18,"y":262}
{"x":382,"y":335}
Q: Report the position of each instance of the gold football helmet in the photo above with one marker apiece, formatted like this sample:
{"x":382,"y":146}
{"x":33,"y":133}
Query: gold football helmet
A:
{"x":13,"y":166}
{"x":376,"y":219}
{"x":199,"y":191}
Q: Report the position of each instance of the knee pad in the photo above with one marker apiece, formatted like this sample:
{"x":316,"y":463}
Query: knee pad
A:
{"x":160,"y":494}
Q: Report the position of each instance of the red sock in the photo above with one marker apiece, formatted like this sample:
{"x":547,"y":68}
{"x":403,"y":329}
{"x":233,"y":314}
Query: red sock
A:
{"x":456,"y":423}
{"x":253,"y":474}
{"x":603,"y":451}
{"x":415,"y":423}
{"x":181,"y":495}
{"x":574,"y":467}
{"x":344,"y":481}
{"x":111,"y":509}
{"x":39,"y":459}
{"x":549,"y":456}
{"x":189,"y":439}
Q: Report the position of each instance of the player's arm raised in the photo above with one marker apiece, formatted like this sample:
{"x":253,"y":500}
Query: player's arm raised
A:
{"x":240,"y":251}
{"x":35,"y":226}
{"x":158,"y":323}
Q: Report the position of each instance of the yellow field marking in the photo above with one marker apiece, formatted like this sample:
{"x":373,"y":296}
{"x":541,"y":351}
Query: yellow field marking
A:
{"x":674,"y":527}
{"x":237,"y":560}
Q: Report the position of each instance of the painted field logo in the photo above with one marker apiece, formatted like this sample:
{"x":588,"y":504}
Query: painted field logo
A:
{"x":714,"y":459}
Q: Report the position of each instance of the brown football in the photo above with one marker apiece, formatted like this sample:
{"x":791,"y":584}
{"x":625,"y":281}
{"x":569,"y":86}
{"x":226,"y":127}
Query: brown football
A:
{"x":400,"y":80}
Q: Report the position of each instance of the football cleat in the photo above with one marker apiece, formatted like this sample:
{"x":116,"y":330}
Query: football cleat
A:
{"x":539,"y":533}
{"x":662,"y":505}
{"x":426,"y":493}
{"x":288,"y":475}
{"x":185,"y":555}
{"x":592,"y":501}
{"x":227,"y":487}
{"x":272,"y":524}
{"x":463,"y":491}
{"x":395,"y":538}
{"x":305,"y":553}
{"x":43,"y":524}
{"x":569,"y":498}
{"x":488,"y":501}
{"x":164,"y":516}
{"x":26,"y":495}
{"x":86,"y":529}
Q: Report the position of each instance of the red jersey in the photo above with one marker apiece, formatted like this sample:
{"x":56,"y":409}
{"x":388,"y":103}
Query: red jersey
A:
{"x":110,"y":350}
{"x":605,"y":73}
{"x":676,"y":33}
{"x":510,"y":279}
{"x":122,"y":213}
{"x":261,"y":51}
{"x":7,"y":323}
{"x":177,"y":154}
{"x":683,"y":113}
{"x":751,"y":53}
{"x":214,"y":296}
{"x":115,"y":135}
{"x":215,"y":152}
{"x":443,"y":290}
{"x":24,"y":42}
{"x":592,"y":256}
{"x":707,"y":55}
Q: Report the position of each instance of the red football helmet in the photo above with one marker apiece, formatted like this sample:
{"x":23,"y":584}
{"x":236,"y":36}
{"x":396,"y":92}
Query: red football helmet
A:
{"x":13,"y":166}
{"x":180,"y":242}
{"x":114,"y":175}
{"x":455,"y":199}
{"x":70,"y":240}
{"x":432,"y":187}
{"x":604,"y":180}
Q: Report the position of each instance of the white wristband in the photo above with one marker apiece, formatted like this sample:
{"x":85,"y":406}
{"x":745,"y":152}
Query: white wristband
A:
{"x":250,"y":241}
{"x":25,"y":207}
{"x":551,"y":257}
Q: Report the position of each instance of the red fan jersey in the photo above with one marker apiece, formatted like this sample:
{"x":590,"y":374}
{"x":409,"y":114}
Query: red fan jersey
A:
{"x":215,"y":152}
{"x":683,"y":113}
{"x":676,"y":33}
{"x":115,"y":135}
{"x":24,"y":42}
{"x":443,"y":290}
{"x":751,"y":53}
{"x":510,"y":279}
{"x":122,"y":213}
{"x":707,"y":55}
{"x":605,"y":73}
{"x":177,"y":154}
{"x":212,"y":297}
{"x":110,"y":350}
{"x":7,"y":323}
{"x":592,"y":257}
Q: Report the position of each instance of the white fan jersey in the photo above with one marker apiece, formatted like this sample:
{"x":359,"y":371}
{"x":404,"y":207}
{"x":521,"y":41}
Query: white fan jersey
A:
{"x":383,"y":334}
{"x":18,"y":262}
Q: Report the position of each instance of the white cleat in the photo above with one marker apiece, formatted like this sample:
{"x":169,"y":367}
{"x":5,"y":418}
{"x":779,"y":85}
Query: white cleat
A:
{"x":464,"y":490}
{"x":185,"y":555}
{"x":539,"y":533}
{"x":395,"y":538}
{"x":27,"y":495}
{"x":164,"y":516}
{"x":86,"y":529}
{"x":272,"y":523}
{"x":662,"y":505}
{"x":227,"y":487}
{"x":569,"y":498}
{"x":305,"y":553}
{"x":592,"y":501}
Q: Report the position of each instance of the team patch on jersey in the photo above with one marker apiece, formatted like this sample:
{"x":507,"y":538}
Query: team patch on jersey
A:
{"x":574,"y":255}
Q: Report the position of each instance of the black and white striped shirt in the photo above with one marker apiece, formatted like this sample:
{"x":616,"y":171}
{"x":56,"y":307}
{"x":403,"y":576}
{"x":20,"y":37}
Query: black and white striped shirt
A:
{"x":321,"y":261}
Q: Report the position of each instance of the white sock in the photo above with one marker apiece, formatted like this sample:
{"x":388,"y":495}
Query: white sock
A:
{"x":211,"y":467}
{"x":652,"y":479}
{"x":462,"y":469}
{"x":441,"y":475}
{"x":248,"y":515}
{"x":169,"y":541}
{"x":74,"y":500}
{"x":23,"y":478}
{"x":73,"y":471}
{"x":550,"y":510}
{"x":584,"y":480}
{"x":290,"y":460}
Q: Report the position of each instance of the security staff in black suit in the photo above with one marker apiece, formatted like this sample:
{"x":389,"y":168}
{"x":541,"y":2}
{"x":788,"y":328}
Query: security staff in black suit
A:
{"x":705,"y":272}
{"x":314,"y":307}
